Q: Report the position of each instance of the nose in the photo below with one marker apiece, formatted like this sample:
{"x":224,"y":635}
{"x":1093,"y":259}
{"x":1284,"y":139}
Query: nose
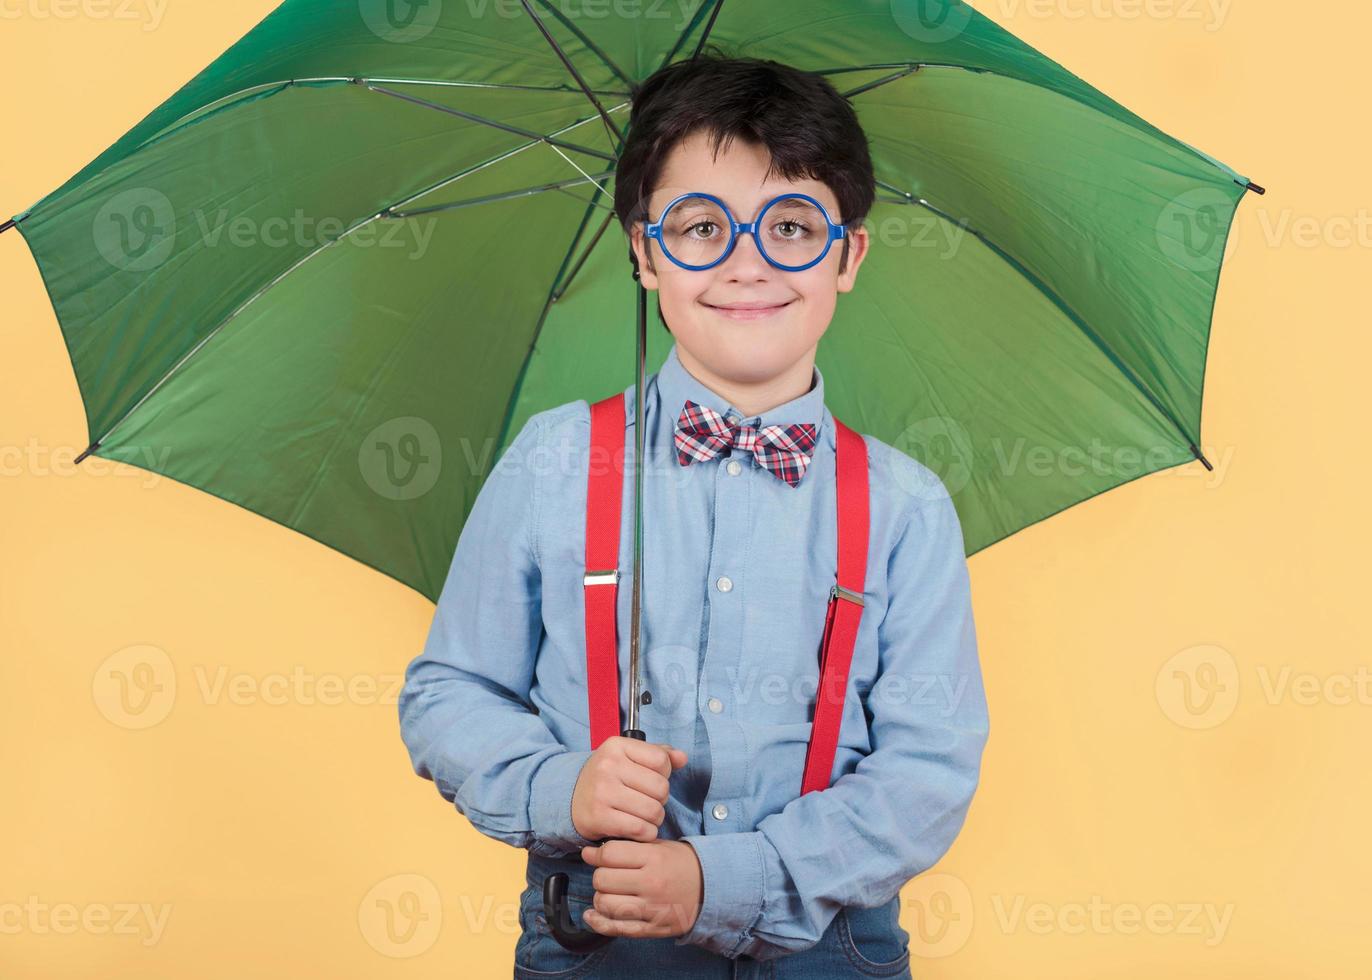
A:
{"x":746,"y":260}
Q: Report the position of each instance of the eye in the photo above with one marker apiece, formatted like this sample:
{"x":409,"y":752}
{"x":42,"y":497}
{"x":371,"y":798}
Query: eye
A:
{"x":700,"y":225}
{"x":790,"y":229}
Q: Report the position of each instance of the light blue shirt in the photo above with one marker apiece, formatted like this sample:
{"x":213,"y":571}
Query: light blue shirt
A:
{"x":737,"y":568}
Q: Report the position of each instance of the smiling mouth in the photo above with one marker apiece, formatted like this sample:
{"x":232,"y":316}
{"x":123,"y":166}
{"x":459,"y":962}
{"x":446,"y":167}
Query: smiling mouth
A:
{"x":749,"y":311}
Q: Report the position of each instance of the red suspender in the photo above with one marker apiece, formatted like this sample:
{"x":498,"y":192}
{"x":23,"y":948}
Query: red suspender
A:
{"x":845,"y":607}
{"x":604,"y":494}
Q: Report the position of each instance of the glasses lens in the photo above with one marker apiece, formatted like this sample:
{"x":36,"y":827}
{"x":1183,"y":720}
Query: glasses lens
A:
{"x":695,"y":231}
{"x":793,"y":232}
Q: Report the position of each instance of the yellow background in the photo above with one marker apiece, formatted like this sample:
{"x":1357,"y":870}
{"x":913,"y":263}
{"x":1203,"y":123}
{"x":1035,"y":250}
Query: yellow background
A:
{"x":1176,"y":670}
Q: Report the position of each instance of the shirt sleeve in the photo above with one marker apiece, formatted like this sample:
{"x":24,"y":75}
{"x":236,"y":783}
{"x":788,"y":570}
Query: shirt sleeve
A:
{"x":775,"y":890}
{"x":465,"y":713}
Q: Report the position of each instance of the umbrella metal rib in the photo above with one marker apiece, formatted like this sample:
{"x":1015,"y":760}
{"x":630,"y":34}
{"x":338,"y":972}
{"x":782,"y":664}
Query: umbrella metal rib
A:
{"x":559,"y":291}
{"x":705,"y":34}
{"x":686,"y":32}
{"x":517,"y":130}
{"x":615,"y":135}
{"x":595,"y":204}
{"x":877,"y":83}
{"x":591,"y":46}
{"x":496,"y":159}
{"x":502,"y":196}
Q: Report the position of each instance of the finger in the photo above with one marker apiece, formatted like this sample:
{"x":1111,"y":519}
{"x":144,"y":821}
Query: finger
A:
{"x":617,"y":881}
{"x":649,"y":782}
{"x":599,"y":923}
{"x":622,"y":854}
{"x":654,"y":755}
{"x":631,"y":928}
{"x":617,"y":823}
{"x":621,"y":907}
{"x":677,"y":757}
{"x":638,"y":805}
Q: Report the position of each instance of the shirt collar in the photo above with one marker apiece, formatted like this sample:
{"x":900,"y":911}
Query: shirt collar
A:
{"x":675,"y":385}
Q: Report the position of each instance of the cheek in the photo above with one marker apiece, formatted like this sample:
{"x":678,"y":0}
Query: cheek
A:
{"x":818,"y":292}
{"x":678,"y":296}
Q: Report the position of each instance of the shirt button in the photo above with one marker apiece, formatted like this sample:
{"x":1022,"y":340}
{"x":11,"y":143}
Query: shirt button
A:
{"x":720,"y":811}
{"x":732,"y":419}
{"x":716,"y":705}
{"x":724,"y":584}
{"x":734,"y":467}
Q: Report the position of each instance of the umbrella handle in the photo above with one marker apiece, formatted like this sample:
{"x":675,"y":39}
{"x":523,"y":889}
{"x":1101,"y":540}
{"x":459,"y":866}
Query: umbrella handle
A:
{"x":556,"y":910}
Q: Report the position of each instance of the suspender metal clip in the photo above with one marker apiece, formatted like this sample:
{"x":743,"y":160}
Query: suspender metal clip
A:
{"x":608,"y":576}
{"x":840,"y":592}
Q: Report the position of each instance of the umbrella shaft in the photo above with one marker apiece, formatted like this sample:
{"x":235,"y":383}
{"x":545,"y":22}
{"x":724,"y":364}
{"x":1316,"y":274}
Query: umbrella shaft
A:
{"x":641,"y":345}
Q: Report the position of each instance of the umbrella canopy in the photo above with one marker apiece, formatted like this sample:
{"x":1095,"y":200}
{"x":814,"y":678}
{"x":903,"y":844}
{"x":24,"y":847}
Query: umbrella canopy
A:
{"x":330,"y":278}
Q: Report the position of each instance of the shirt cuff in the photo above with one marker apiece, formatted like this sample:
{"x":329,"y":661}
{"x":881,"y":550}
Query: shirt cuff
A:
{"x":732,"y":893}
{"x":550,"y":805}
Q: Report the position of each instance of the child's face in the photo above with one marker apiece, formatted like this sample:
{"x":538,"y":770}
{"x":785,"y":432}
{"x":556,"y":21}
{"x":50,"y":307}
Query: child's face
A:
{"x":755,"y":346}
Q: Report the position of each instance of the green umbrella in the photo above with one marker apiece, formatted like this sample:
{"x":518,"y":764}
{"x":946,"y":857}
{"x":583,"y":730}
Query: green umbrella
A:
{"x":331,"y":276}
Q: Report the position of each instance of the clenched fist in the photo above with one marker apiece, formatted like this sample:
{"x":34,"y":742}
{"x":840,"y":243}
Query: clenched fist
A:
{"x":622,"y":789}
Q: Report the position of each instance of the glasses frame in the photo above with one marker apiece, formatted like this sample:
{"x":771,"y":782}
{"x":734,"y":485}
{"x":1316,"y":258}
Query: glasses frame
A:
{"x":836,"y":232}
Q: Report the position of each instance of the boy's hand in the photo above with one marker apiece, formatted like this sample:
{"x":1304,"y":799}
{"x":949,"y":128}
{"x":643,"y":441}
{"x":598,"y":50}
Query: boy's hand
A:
{"x":644,"y":891}
{"x":622,"y":789}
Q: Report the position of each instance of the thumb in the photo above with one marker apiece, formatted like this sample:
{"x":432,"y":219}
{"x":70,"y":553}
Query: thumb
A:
{"x":678,"y":756}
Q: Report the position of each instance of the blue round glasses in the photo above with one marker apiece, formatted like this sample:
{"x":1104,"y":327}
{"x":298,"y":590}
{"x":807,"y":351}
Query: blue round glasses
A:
{"x":792,"y":231}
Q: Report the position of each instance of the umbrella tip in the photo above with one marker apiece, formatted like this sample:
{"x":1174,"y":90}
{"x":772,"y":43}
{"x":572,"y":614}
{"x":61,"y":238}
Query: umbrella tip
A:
{"x":1255,"y":188}
{"x":89,"y":449}
{"x":1195,"y":451}
{"x":7,"y":226}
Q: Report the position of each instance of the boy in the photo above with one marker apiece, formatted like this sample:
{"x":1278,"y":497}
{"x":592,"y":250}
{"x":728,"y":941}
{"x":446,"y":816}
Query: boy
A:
{"x":717,"y":864}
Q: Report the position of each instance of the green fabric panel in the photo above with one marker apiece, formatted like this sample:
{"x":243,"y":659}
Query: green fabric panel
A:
{"x":1035,"y":330}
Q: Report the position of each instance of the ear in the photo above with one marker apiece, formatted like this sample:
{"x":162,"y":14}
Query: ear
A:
{"x":647,"y":271}
{"x":858,"y":242}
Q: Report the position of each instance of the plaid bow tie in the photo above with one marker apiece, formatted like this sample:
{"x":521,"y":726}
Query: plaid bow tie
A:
{"x":785,"y":450}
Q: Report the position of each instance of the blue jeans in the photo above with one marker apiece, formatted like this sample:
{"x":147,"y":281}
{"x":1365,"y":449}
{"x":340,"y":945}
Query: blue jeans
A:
{"x":859,"y":942}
